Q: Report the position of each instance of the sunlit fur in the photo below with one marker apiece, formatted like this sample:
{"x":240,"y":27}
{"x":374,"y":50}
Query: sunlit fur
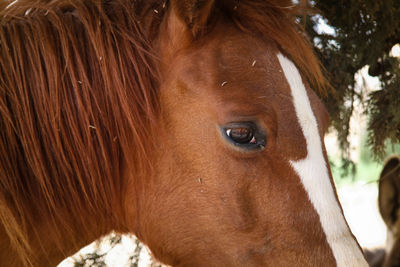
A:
{"x":79,"y":101}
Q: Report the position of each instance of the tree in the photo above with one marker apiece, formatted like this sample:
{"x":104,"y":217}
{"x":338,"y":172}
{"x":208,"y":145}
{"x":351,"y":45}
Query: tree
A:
{"x":364,"y":32}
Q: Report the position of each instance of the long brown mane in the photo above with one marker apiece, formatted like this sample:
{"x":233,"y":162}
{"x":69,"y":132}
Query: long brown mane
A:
{"x":77,"y":96}
{"x":79,"y":101}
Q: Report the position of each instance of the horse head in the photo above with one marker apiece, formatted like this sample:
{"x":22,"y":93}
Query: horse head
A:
{"x":241,"y":174}
{"x":191,"y":124}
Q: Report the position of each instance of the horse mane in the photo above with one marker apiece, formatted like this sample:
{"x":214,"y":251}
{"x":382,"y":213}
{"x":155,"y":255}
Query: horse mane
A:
{"x":79,"y":101}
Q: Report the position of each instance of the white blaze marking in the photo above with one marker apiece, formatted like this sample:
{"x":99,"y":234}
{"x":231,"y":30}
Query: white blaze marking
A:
{"x":313,"y":173}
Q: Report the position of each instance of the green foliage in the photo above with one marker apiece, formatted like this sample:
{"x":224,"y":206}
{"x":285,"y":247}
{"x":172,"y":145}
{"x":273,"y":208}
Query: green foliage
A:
{"x":364,"y":33}
{"x":367,"y":169}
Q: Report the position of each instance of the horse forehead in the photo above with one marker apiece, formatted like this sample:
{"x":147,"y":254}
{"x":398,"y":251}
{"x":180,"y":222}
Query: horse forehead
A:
{"x":237,"y":63}
{"x":249,"y":62}
{"x":238,"y":49}
{"x":248,"y":68}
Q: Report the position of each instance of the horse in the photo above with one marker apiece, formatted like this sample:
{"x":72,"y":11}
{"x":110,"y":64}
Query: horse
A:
{"x":194,"y":125}
{"x":389,"y":207}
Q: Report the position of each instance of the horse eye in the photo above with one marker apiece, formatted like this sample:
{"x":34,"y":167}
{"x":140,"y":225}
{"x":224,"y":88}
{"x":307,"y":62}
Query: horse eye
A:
{"x":246,"y":135}
{"x":242,"y":135}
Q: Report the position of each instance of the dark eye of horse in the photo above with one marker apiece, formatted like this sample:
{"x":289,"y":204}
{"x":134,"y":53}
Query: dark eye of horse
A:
{"x":246,"y":135}
{"x":242,"y":135}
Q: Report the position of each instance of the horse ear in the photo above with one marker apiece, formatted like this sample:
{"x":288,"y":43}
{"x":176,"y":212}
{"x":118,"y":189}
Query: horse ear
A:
{"x":389,"y":191}
{"x":194,"y":13}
